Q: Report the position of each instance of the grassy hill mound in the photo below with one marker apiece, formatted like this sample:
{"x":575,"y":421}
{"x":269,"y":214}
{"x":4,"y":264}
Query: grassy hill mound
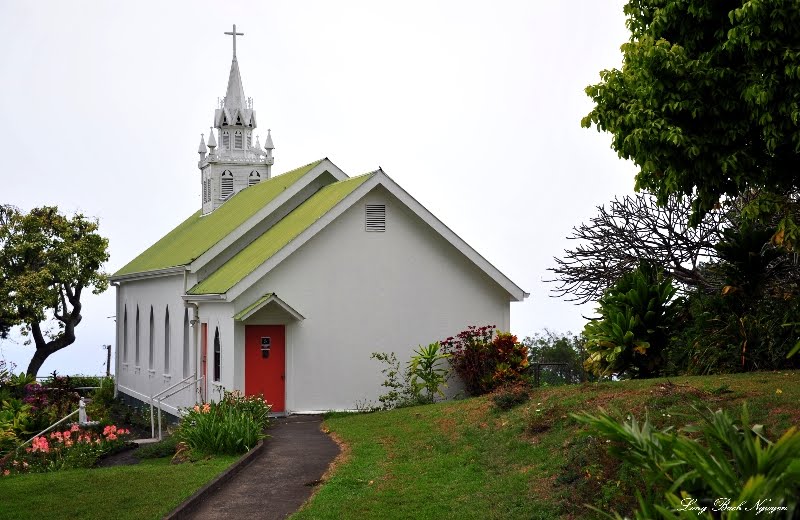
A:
{"x":468,"y":459}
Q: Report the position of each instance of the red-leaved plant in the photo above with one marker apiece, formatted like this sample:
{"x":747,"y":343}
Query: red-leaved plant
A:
{"x":485,"y":359}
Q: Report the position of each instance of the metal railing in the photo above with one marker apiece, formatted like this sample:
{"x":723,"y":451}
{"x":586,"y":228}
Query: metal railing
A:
{"x":166,"y":393}
{"x":82,"y":419}
{"x":555,"y":373}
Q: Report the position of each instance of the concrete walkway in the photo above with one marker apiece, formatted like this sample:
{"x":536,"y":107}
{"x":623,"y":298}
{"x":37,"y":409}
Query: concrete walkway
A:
{"x":281,"y":477}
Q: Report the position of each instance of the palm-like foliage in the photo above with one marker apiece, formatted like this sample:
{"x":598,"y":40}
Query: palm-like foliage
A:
{"x":632,"y":331}
{"x":721,"y":462}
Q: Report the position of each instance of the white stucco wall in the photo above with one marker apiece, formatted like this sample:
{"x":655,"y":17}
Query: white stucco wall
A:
{"x":141,"y":380}
{"x":365,"y":292}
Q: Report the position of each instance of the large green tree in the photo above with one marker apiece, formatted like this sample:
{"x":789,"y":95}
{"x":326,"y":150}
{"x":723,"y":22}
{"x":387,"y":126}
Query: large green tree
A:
{"x":47,"y":261}
{"x":707,"y":102}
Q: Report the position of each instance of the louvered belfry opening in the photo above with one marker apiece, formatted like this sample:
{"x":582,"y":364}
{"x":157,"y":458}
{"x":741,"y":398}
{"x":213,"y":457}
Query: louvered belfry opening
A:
{"x":226,"y":185}
{"x":376,"y":218}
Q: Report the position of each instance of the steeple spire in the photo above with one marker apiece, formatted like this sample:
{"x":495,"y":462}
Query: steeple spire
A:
{"x":234,"y":97}
{"x":231,"y":158}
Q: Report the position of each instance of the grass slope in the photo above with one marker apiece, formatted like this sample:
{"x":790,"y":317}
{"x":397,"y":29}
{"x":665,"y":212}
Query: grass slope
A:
{"x":465,"y":459}
{"x":150,"y":489}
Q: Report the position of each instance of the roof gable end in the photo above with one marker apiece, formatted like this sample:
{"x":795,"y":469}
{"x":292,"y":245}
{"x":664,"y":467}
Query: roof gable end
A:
{"x":199,"y":234}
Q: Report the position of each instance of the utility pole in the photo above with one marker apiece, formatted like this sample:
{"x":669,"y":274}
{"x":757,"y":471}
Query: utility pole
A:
{"x":108,"y":360}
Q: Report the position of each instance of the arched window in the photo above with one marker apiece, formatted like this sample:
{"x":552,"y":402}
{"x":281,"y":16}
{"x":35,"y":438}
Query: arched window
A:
{"x":226,"y":140}
{"x":125,"y":334}
{"x":237,"y":140}
{"x":254,"y":178}
{"x":166,"y":341}
{"x":151,"y":350}
{"x":186,"y":332}
{"x":136,"y":344}
{"x":216,"y":354}
{"x":226,"y":185}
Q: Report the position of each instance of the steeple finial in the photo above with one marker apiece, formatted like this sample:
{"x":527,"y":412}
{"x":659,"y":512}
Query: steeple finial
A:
{"x":202,"y":148}
{"x":234,"y":34}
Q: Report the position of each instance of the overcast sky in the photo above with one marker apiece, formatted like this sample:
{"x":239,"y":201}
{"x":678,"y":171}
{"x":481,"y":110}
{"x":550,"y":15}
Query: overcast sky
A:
{"x":473,"y":107}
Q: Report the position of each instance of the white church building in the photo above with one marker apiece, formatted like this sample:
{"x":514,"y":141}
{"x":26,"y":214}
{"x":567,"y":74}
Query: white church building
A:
{"x":284,"y":285}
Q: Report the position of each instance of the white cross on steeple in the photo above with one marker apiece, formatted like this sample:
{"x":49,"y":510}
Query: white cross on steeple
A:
{"x":234,"y":34}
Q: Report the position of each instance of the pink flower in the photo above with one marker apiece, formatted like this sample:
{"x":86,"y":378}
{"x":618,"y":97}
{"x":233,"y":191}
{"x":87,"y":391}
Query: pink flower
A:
{"x":196,"y":408}
{"x":74,"y":428}
{"x":111,"y":437}
{"x":6,"y":472}
{"x":40,"y":444}
{"x":206,"y":408}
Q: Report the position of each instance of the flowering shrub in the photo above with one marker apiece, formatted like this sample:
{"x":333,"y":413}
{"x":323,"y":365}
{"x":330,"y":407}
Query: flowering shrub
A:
{"x":232,"y":426}
{"x":50,"y":403}
{"x":75,"y":447}
{"x":485,"y":360}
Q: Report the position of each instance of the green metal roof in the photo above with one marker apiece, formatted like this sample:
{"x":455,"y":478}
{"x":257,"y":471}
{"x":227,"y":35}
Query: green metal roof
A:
{"x":198,"y":234}
{"x":276,"y":237}
{"x":249,"y":308}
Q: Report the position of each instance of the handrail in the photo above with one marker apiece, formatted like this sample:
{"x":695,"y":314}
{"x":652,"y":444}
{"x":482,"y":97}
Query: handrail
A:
{"x":165,"y":396}
{"x":159,"y":395}
{"x":47,"y":429}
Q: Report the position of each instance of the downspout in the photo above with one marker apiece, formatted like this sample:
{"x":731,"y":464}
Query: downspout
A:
{"x":116,"y":339}
{"x":194,"y":324}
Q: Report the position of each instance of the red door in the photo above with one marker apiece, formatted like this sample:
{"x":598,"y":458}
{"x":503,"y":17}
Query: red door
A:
{"x":265,"y":363}
{"x":203,"y":361}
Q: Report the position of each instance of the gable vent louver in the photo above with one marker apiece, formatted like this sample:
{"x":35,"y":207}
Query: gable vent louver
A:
{"x":376,"y":218}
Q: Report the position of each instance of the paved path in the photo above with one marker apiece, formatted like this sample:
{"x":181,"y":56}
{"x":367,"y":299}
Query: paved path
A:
{"x":282,"y":476}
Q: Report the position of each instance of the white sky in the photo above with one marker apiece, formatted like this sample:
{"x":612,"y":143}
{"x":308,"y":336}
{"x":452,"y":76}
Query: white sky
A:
{"x":473,"y":107}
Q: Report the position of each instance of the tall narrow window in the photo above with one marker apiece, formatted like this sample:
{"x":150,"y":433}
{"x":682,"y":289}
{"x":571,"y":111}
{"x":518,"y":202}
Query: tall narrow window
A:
{"x":186,"y":332}
{"x":237,"y":140}
{"x":216,"y":354}
{"x":151,"y":349}
{"x":208,"y":189}
{"x":166,"y":341}
{"x":205,"y":191}
{"x":125,"y":334}
{"x":226,"y":185}
{"x":254,"y":178}
{"x":136,"y":344}
{"x":249,"y":140}
{"x":226,"y":140}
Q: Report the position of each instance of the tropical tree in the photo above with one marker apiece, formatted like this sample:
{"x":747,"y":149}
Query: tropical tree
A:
{"x":47,"y":261}
{"x":707,"y":103}
{"x":635,"y":229}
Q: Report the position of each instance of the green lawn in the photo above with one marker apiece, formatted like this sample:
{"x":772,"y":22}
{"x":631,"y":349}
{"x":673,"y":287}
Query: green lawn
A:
{"x":148,"y":490}
{"x":465,"y":460}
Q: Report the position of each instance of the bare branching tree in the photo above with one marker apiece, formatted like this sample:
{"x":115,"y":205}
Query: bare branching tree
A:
{"x":635,"y":229}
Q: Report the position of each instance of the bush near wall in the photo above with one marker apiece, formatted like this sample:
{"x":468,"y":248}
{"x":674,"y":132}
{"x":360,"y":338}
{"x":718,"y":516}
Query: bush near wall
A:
{"x":485,"y":358}
{"x":229,"y":427}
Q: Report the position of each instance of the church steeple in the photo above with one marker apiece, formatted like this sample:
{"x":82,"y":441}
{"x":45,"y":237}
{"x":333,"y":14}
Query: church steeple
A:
{"x":236,"y":163}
